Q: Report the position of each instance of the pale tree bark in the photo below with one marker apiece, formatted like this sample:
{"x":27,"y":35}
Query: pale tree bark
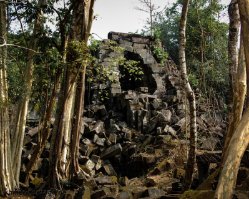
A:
{"x":66,"y":125}
{"x":82,"y":29}
{"x":7,"y":181}
{"x":237,"y":73}
{"x":240,"y":138}
{"x":61,"y":135}
{"x":59,"y":141}
{"x":235,"y":151}
{"x":190,"y":96}
{"x":75,"y":88}
{"x":18,"y":133}
{"x":239,"y":96}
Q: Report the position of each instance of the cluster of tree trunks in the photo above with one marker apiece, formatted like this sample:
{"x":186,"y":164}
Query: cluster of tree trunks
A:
{"x":71,"y":102}
{"x":7,"y":180}
{"x":20,"y":121}
{"x":71,"y":87}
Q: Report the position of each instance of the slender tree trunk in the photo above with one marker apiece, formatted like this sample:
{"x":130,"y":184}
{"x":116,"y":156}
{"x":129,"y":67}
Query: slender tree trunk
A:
{"x":240,"y":138}
{"x":7,"y":181}
{"x":18,"y":134}
{"x":66,"y":126}
{"x":190,"y":96}
{"x":20,"y":126}
{"x":151,"y":18}
{"x":54,"y":181}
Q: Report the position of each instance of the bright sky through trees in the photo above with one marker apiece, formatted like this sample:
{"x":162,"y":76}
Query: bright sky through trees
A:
{"x":121,"y":16}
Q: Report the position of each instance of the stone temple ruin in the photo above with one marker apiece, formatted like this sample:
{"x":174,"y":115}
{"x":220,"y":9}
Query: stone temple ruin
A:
{"x":157,"y":95}
{"x":134,"y":143}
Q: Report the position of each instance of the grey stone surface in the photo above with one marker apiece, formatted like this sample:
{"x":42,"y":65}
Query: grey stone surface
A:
{"x":111,"y":151}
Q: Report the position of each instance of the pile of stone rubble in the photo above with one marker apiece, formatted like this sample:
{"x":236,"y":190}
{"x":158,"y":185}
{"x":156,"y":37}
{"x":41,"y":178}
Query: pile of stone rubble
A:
{"x":134,"y":145}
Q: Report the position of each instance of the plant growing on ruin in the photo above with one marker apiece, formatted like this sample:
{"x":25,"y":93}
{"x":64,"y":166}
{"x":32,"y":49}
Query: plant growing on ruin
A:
{"x":157,"y":49}
{"x":133,"y":69}
{"x":106,"y":75}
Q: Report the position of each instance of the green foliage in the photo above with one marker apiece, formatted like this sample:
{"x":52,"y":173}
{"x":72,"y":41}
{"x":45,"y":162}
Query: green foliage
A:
{"x":159,"y":53}
{"x":193,"y":80}
{"x":16,"y":64}
{"x":78,"y":54}
{"x":206,"y":48}
{"x":94,"y":46}
{"x":47,"y":65}
{"x":132,"y":68}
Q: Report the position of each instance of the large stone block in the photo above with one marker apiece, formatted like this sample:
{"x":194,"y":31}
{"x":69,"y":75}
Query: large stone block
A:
{"x":111,"y":151}
{"x":141,"y":40}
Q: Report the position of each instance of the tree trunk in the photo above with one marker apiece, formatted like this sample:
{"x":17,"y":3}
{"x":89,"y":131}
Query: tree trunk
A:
{"x":190,"y":96}
{"x":60,"y":133}
{"x":66,"y":124}
{"x":240,"y":138}
{"x":235,"y":151}
{"x":244,"y":18}
{"x":81,"y":31}
{"x":18,"y":134}
{"x":78,"y":119}
{"x":234,"y":27}
{"x":237,"y":73}
{"x":82,"y":20}
{"x":239,"y":95}
{"x":7,"y":181}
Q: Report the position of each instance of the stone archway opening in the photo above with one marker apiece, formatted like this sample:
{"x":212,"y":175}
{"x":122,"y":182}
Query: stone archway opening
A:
{"x":130,"y":81}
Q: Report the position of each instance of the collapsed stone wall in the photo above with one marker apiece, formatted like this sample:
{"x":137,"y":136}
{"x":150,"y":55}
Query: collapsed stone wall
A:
{"x":160,"y":92}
